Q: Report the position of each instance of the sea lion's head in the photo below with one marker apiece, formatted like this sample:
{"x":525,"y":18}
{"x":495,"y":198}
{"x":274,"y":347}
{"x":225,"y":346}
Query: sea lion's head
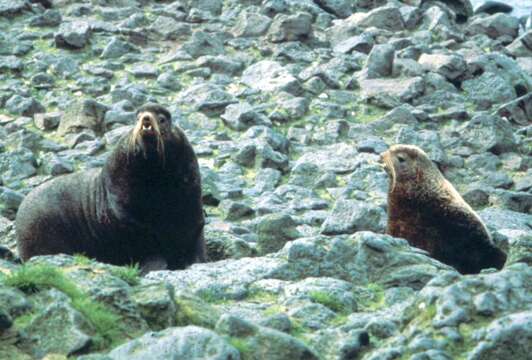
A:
{"x":152,"y":129}
{"x":407,"y":166}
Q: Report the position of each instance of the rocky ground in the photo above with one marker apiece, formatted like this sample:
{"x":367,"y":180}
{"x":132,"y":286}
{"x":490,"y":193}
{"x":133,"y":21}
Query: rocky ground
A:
{"x":288,"y":104}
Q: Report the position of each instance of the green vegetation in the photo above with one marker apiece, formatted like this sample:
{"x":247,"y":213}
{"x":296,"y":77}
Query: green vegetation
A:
{"x":327,"y":299}
{"x":33,"y":278}
{"x":262,"y":297}
{"x":81,"y":260}
{"x":130,"y":273}
{"x":192,"y":310}
{"x":365,"y":113}
{"x":240,"y":344}
{"x":372,"y":299}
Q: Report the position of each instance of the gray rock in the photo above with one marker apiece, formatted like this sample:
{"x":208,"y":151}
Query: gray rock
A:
{"x":202,"y":43}
{"x":390,"y":93}
{"x":506,"y":219}
{"x":290,"y":27}
{"x":47,"y":121}
{"x":190,"y":342}
{"x":11,"y":63}
{"x":48,"y":18}
{"x":270,"y":76}
{"x":81,"y":115}
{"x":380,"y":61}
{"x":489,"y":89}
{"x":14,"y":301}
{"x":169,"y":28}
{"x":262,"y":342}
{"x":274,"y":231}
{"x":116,"y":48}
{"x":340,"y":8}
{"x":387,"y":17}
{"x":450,"y":66}
{"x":250,"y":24}
{"x":506,"y":337}
{"x":59,"y":328}
{"x":522,"y":46}
{"x":362,"y":43}
{"x":74,"y":34}
{"x":349,"y":216}
{"x":156,"y":305}
{"x":169,"y":80}
{"x":5,"y":321}
{"x":242,"y":116}
{"x":488,"y":133}
{"x":24,"y":106}
{"x":496,"y":26}
{"x":9,"y":8}
{"x":207,"y":98}
{"x":518,"y":111}
{"x":55,"y":165}
{"x":17,"y":165}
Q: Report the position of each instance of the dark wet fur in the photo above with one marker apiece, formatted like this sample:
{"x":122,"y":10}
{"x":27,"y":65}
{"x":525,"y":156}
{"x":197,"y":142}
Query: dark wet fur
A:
{"x":135,"y":209}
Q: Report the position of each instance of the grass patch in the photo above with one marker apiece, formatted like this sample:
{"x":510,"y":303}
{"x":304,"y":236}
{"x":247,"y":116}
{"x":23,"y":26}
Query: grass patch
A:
{"x":365,"y":113}
{"x":130,"y":273}
{"x":240,"y":344}
{"x":373,"y":299}
{"x":261,"y":297}
{"x":33,"y":278}
{"x":326,"y":299}
{"x":81,"y":260}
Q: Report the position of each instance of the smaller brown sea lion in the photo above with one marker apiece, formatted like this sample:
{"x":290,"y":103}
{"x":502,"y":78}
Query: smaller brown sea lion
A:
{"x":144,"y":206}
{"x":425,"y":209}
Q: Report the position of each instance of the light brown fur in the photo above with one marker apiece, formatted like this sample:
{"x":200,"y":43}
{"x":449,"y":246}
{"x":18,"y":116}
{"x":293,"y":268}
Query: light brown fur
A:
{"x":425,"y":209}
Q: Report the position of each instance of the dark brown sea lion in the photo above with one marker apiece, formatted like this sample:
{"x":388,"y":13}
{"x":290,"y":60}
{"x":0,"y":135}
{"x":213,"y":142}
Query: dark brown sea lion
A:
{"x":144,"y":206}
{"x":425,"y":209}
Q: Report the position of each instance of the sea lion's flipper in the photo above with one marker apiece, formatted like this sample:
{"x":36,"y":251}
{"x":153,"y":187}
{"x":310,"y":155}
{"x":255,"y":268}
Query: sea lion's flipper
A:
{"x":470,"y":242}
{"x":153,"y":263}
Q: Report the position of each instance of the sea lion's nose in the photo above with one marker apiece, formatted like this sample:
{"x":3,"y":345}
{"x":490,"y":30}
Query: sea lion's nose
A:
{"x":146,"y":120}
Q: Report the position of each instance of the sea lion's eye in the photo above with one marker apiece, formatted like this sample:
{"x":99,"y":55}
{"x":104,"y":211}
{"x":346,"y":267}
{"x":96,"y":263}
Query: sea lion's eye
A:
{"x":401,"y":159}
{"x":162,"y":119}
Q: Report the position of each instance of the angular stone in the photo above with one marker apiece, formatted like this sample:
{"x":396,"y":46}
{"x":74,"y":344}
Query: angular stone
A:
{"x":270,"y":76}
{"x":251,"y":24}
{"x":74,"y":34}
{"x":386,"y":17}
{"x":449,"y":66}
{"x":274,"y":231}
{"x":399,"y":90}
{"x":349,"y":216}
{"x":80,"y":115}
{"x":290,"y":27}
{"x":362,"y":43}
{"x":242,"y":116}
{"x":488,"y":133}
{"x":380,"y":61}
{"x":190,"y":342}
{"x":496,"y":26}
{"x":207,"y":98}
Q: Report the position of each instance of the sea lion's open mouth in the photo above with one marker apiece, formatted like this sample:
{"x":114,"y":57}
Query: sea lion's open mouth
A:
{"x":146,"y":136}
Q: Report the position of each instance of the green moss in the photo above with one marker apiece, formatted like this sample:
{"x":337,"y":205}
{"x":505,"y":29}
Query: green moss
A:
{"x":130,"y":273}
{"x":274,"y":310}
{"x":262,"y":297}
{"x":372,"y":299}
{"x":24,"y":320}
{"x":32,"y":278}
{"x":192,"y":310}
{"x":326,"y":299}
{"x":368,"y":113}
{"x":241,"y":345}
{"x":81,"y":260}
